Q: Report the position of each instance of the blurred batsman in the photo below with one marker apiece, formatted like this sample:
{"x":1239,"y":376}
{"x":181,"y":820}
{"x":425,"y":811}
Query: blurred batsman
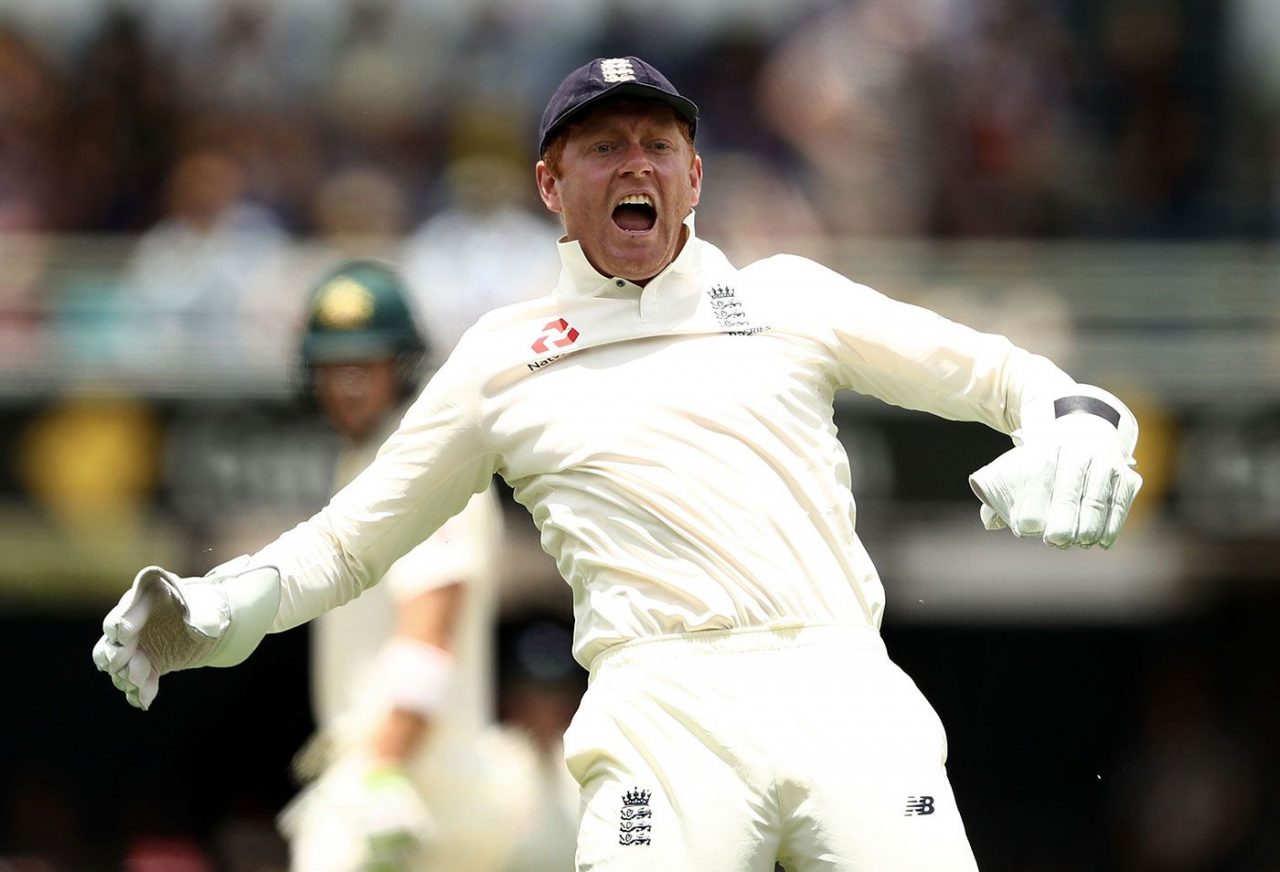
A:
{"x":408,"y":771}
{"x":667,"y":419}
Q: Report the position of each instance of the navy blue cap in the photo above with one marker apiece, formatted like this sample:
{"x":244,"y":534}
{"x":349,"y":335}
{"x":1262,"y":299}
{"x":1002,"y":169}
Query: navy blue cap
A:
{"x":610,"y":77}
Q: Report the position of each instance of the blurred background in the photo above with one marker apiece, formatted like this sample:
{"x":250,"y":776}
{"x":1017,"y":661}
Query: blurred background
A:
{"x":1097,"y":179}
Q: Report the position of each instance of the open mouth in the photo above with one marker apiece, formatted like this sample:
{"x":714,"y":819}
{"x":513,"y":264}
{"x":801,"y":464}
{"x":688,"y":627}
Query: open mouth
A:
{"x":635,"y":213}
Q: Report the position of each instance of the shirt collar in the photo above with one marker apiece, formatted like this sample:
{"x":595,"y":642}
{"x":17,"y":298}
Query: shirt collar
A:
{"x":579,"y":279}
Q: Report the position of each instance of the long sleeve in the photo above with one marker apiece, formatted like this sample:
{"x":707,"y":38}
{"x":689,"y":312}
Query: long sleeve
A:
{"x":424,"y":474}
{"x":914,"y":358}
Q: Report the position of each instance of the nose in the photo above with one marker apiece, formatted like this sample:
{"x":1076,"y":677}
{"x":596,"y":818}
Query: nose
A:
{"x":635,"y":161}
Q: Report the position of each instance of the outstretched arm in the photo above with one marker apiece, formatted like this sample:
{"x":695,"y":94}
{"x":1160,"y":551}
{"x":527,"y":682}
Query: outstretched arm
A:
{"x":164,"y":623}
{"x":425,"y":473}
{"x":1069,"y":478}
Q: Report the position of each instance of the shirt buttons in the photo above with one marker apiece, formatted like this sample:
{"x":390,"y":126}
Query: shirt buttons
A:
{"x":620,"y":283}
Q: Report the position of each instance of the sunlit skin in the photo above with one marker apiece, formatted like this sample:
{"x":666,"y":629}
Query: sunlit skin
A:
{"x":357,"y":396}
{"x":427,"y":618}
{"x":619,"y":149}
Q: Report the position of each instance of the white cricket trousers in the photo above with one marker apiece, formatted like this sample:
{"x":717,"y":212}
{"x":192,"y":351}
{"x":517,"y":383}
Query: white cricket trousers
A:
{"x":723,"y":751}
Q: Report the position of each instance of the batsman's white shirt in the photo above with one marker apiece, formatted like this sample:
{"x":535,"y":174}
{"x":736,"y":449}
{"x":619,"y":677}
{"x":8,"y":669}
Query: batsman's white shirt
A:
{"x":674,"y":444}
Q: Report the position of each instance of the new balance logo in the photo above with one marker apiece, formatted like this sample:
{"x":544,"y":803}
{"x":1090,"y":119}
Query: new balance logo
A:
{"x":919,"y":805}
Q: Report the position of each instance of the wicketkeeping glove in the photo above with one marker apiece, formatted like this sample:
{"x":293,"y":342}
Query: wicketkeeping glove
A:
{"x":1070,"y":481}
{"x":164,"y":623}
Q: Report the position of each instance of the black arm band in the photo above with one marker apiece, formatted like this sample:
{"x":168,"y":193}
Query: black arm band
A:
{"x":1067,"y":405}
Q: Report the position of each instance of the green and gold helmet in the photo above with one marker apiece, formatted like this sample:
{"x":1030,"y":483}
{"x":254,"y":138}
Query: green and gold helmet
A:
{"x":360,"y":311}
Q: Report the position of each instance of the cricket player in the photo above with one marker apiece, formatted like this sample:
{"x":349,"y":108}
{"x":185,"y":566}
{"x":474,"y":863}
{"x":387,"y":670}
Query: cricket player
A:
{"x":666,"y":417}
{"x":408,"y":770}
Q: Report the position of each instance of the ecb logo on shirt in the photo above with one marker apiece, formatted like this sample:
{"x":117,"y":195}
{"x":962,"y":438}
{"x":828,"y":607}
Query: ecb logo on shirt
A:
{"x":635,"y":818}
{"x":729,"y":313}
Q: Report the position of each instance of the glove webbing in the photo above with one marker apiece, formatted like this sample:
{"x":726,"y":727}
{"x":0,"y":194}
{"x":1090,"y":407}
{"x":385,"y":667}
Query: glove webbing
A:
{"x":167,"y":639}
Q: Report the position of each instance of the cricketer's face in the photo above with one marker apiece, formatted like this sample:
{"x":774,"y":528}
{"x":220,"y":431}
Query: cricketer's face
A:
{"x":355,"y":397}
{"x":623,"y":184}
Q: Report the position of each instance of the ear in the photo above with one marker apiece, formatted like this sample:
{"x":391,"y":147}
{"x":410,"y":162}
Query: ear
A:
{"x":548,"y":186}
{"x":695,"y":178}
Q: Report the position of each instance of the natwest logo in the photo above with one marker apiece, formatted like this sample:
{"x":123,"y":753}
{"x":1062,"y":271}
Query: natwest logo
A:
{"x":558,"y":333}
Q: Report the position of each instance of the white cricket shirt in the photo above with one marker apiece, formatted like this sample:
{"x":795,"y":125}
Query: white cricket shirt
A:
{"x":347,"y":640}
{"x":674,"y":444}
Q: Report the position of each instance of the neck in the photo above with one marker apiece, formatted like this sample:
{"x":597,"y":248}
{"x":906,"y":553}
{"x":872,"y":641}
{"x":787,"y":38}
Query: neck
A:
{"x":684,"y":238}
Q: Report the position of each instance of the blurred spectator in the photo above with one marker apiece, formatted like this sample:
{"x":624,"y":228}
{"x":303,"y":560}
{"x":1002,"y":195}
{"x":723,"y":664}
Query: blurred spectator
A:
{"x":279,"y":155}
{"x":749,"y":207}
{"x":734,"y":117}
{"x":359,"y":212}
{"x":389,"y":85}
{"x":229,"y":61}
{"x":515,"y":49}
{"x":191,"y":274}
{"x":850,"y":92}
{"x":374,"y":84}
{"x":487,"y":247}
{"x":31,"y":100}
{"x":121,"y":124}
{"x":288,"y":39}
{"x":1011,"y":161}
{"x":1157,"y":131}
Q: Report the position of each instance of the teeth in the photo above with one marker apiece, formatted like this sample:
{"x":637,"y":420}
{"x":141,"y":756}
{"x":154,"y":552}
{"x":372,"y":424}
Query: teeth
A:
{"x":636,"y":200}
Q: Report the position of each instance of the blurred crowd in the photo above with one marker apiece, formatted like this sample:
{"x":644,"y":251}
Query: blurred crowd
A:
{"x":1149,"y":118}
{"x":217,"y":139}
{"x":233,"y":148}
